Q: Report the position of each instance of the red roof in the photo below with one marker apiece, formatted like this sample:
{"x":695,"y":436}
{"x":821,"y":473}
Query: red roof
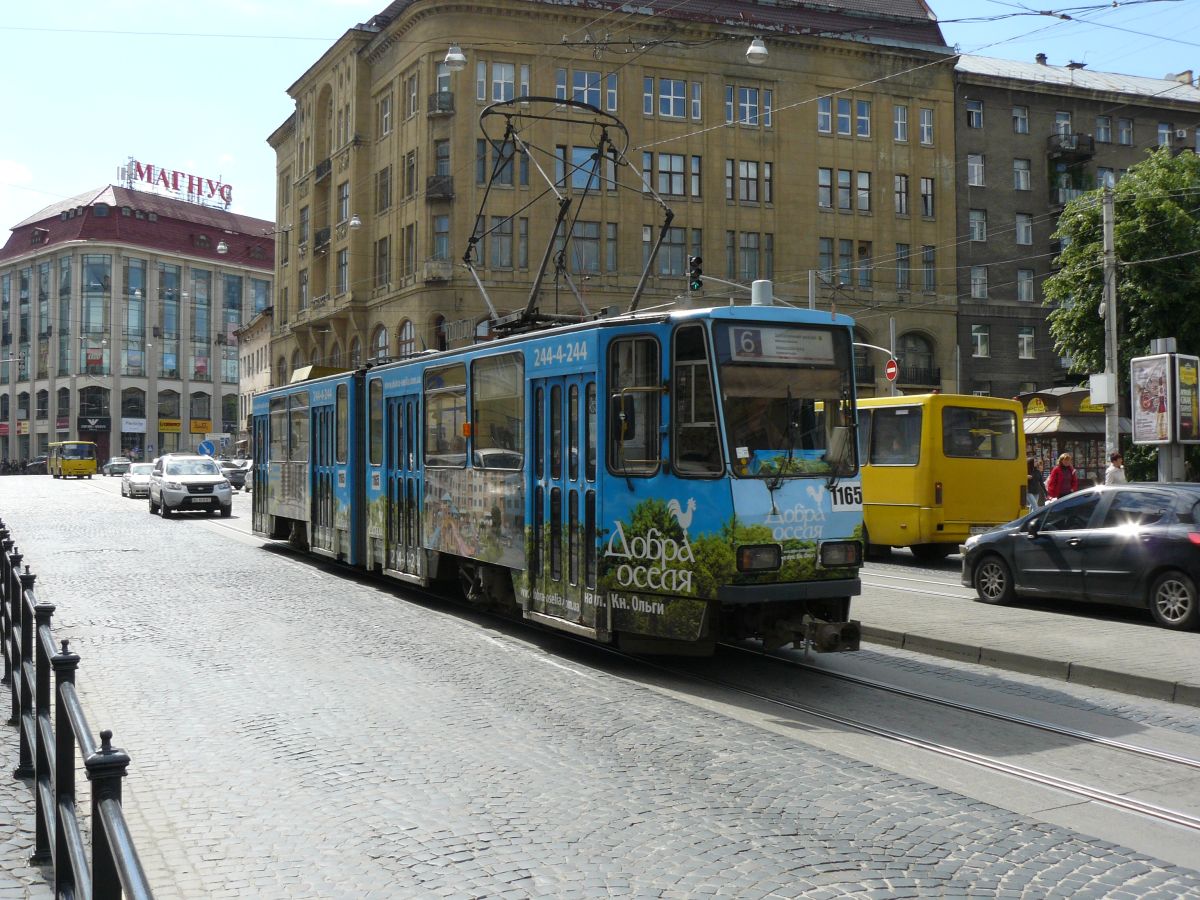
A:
{"x":178,"y":227}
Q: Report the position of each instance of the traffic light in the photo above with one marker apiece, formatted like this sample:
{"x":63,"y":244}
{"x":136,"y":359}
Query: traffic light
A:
{"x":695,"y":273}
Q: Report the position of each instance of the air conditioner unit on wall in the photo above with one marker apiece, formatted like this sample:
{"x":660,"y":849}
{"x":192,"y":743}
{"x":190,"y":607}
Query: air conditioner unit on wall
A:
{"x":1181,"y":134}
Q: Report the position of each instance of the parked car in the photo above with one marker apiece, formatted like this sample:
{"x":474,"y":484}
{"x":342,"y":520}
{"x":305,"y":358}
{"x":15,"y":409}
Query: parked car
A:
{"x":1130,"y":544}
{"x":116,"y":465}
{"x":187,"y":481}
{"x":236,"y":472}
{"x":136,"y":482}
{"x":36,"y":466}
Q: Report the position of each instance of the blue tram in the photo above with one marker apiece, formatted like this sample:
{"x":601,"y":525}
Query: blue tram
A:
{"x":658,"y":480}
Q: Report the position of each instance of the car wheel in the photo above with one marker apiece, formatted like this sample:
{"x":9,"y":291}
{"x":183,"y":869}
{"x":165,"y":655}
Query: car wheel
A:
{"x":226,"y":511}
{"x":993,"y":580}
{"x":164,"y":510}
{"x":1174,"y":602}
{"x":150,"y":503}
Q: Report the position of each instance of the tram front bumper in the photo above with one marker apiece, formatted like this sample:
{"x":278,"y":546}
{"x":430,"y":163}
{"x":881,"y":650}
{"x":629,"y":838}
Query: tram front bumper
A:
{"x":749,"y":594}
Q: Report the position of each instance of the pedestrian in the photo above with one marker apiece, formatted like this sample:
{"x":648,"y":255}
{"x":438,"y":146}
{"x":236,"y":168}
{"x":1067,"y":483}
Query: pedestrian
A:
{"x":1062,"y":480}
{"x":1037,"y":486}
{"x":1115,"y":473}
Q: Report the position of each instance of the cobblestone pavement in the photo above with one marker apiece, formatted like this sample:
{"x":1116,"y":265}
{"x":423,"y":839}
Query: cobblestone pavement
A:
{"x":299,"y":734}
{"x":18,"y":879}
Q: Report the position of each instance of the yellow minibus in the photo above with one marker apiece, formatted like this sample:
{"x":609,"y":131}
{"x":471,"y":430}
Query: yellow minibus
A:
{"x":71,"y":459}
{"x":937,"y":468}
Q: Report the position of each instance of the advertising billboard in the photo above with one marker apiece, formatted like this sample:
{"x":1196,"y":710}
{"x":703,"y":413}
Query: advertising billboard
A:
{"x":1152,"y":405}
{"x":1187,"y":399}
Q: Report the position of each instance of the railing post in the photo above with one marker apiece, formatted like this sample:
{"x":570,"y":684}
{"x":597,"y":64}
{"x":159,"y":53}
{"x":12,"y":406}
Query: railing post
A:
{"x":65,"y":665}
{"x":5,"y":624}
{"x":105,"y":769}
{"x":12,"y":591}
{"x":43,"y":817}
{"x":24,"y":703}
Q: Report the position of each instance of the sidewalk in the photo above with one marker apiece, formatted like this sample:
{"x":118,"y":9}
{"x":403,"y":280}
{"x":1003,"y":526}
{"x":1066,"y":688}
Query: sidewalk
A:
{"x":1128,"y":657}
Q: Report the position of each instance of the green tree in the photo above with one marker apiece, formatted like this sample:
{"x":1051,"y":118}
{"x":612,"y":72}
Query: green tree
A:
{"x":1157,"y":239}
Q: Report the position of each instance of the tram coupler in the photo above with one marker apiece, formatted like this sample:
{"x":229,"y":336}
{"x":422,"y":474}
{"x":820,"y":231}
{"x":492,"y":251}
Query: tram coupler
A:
{"x":830,"y":637}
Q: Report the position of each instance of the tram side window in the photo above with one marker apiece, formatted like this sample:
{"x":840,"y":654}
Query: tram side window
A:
{"x":375,"y":402}
{"x":896,"y":436}
{"x":635,"y":391}
{"x":697,"y":444}
{"x":279,"y":429}
{"x":979,"y":433}
{"x":498,"y":411}
{"x":342,"y":411}
{"x":445,"y":416}
{"x":298,"y":417}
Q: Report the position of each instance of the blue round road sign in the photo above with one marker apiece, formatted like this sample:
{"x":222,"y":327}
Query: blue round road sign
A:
{"x":207,"y":448}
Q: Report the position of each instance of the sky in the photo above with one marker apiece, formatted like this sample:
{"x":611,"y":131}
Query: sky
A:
{"x":198,"y":86}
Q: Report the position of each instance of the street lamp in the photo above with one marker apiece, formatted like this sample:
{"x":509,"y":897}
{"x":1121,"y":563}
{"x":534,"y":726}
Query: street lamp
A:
{"x":455,"y":59}
{"x":757,"y":53}
{"x":222,"y":247}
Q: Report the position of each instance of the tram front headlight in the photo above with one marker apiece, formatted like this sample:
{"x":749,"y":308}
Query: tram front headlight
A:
{"x":841,"y":553}
{"x":759,"y":558}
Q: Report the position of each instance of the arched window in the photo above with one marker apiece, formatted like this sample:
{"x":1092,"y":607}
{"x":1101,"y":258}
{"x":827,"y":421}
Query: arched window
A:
{"x":282,"y":369}
{"x":93,"y":401}
{"x":406,"y":343}
{"x":201,"y":405}
{"x":43,"y":404}
{"x":335,"y":355}
{"x":64,"y":402}
{"x":379,"y":345}
{"x":229,"y":412}
{"x":915,"y":352}
{"x":168,"y":404}
{"x":133,"y":403}
{"x":23,"y":405}
{"x":355,"y":353}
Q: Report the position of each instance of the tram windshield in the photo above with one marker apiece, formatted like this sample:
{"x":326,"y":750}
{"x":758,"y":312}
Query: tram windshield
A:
{"x":787,"y":393}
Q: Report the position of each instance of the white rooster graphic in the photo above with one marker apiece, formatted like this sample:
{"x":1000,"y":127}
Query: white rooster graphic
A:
{"x":683,"y":518}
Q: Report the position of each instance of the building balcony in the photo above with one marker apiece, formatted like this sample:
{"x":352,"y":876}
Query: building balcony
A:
{"x":322,"y":169}
{"x":321,"y":239}
{"x":439,"y":187}
{"x":864,"y":374}
{"x":438,"y":270}
{"x":1070,"y":146}
{"x":441,"y":103}
{"x":920,"y":375}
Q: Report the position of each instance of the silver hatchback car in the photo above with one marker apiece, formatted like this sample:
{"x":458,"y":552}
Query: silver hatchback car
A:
{"x":188,"y":481}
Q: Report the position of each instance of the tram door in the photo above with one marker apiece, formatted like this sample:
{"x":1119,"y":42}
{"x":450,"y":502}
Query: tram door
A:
{"x":563,"y":499}
{"x":404,"y":554}
{"x":323,"y":475}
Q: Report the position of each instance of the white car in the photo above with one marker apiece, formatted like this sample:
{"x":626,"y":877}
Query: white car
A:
{"x":188,"y":481}
{"x":136,"y":482}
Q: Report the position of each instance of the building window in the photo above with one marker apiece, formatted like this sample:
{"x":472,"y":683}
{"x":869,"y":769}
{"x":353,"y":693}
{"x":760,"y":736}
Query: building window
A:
{"x":343,"y":201}
{"x":670,"y":174}
{"x":844,"y":109}
{"x":974,"y":113}
{"x":1104,"y":129}
{"x":441,"y":237}
{"x":1062,"y":122}
{"x":979,"y":278}
{"x":900,"y":123}
{"x":1106,"y":177}
{"x":1021,"y":173}
{"x":825,"y":188}
{"x":975,"y":169}
{"x":343,"y":271}
{"x":610,"y":246}
{"x":383,"y":261}
{"x":825,"y":115}
{"x":900,"y":191}
{"x":385,"y":115}
{"x":927,"y":197}
{"x":585,"y":87}
{"x":585,"y":248}
{"x":1025,"y":285}
{"x":748,"y":247}
{"x":501,"y":242}
{"x":862,"y":118}
{"x":383,"y":189}
{"x":981,"y":337}
{"x":1125,"y":132}
{"x":977,"y":220}
{"x":926,"y":126}
{"x":825,"y":256}
{"x":1024,"y":229}
{"x":864,"y":191}
{"x":864,"y":265}
{"x":903,"y":268}
{"x":747,"y":106}
{"x":729,"y":179}
{"x":672,"y":98}
{"x":928,"y":268}
{"x":1020,"y":116}
{"x":845,"y":261}
{"x":1165,"y":131}
{"x":1025,"y":342}
{"x":748,"y":181}
{"x":410,"y":173}
{"x":844,"y":176}
{"x":695,"y":176}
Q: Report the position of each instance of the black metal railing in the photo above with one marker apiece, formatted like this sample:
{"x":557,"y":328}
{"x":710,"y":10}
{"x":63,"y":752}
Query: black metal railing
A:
{"x":864,"y":374}
{"x":323,"y":168}
{"x":1070,"y":145}
{"x":439,"y":187}
{"x":920,"y":375}
{"x":50,"y":726}
{"x":440,"y":104}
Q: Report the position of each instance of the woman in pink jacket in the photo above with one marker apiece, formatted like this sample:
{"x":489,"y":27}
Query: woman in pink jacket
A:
{"x":1062,"y":480}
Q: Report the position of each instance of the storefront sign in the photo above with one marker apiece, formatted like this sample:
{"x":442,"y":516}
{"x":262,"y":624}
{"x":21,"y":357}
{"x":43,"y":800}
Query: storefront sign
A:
{"x":194,"y":187}
{"x":1187,"y":393}
{"x":1087,"y":406}
{"x":200,"y":426}
{"x":23,"y":427}
{"x":63,"y":423}
{"x":170,"y":426}
{"x":94,"y":423}
{"x":1149,"y":377}
{"x":3,"y":429}
{"x":1035,"y":407}
{"x":133,"y":426}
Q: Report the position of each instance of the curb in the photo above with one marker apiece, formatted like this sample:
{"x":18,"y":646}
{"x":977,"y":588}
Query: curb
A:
{"x":1078,"y":673}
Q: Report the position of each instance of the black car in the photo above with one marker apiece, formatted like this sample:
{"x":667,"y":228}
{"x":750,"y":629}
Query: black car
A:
{"x":36,"y":466}
{"x":235,"y":472}
{"x":1129,"y":544}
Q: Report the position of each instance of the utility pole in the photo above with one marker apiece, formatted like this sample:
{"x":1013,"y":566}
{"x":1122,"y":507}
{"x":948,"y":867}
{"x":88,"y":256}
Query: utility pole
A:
{"x":1112,"y":412}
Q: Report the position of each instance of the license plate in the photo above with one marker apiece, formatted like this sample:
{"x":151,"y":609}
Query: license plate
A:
{"x":979,"y":529}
